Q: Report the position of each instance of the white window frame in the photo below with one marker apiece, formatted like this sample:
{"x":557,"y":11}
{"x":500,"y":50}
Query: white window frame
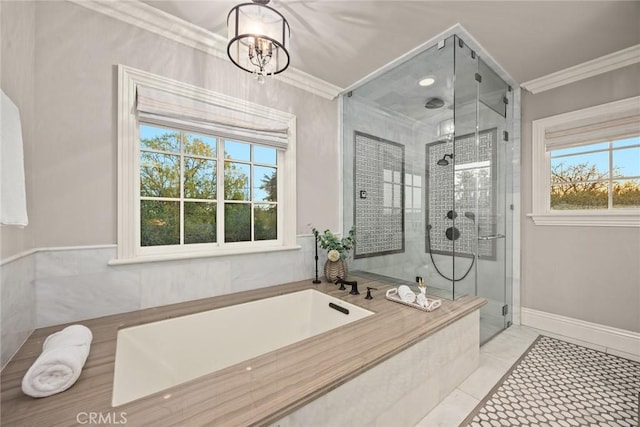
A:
{"x":541,"y":169}
{"x":129,"y":249}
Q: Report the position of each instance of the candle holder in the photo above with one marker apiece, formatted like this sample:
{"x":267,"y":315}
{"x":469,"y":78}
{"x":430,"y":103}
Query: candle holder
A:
{"x":315,"y":235}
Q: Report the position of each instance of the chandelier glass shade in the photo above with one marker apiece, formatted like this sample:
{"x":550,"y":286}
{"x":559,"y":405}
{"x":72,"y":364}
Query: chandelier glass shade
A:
{"x":258,"y":39}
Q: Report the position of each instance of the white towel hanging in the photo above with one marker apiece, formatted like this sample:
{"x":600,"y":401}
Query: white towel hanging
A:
{"x":13,"y":198}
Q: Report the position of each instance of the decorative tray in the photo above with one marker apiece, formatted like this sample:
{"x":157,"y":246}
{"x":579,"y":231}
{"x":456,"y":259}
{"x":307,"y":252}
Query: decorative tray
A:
{"x":432,"y":304}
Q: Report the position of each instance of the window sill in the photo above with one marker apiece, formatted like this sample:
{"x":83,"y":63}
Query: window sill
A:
{"x":195,"y":255}
{"x":630,"y":218}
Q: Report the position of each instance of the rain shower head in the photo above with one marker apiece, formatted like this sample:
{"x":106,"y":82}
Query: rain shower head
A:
{"x":434,"y":103}
{"x":443,"y":161}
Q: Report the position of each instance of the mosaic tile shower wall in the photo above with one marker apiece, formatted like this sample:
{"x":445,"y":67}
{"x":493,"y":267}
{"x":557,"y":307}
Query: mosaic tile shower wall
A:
{"x":379,"y":196}
{"x":441,"y":189}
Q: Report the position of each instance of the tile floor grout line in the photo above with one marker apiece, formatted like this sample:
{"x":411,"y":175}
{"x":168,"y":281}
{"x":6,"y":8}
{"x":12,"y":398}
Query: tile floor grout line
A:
{"x":544,"y":381}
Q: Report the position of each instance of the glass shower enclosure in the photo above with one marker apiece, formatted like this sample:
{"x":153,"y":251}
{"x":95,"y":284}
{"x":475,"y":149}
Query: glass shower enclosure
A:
{"x":428,"y":177}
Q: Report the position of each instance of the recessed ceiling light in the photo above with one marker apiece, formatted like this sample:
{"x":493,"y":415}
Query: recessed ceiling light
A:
{"x":427,"y":81}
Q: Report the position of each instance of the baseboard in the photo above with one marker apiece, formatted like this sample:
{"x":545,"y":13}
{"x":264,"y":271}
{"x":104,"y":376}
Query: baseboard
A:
{"x":606,"y":336}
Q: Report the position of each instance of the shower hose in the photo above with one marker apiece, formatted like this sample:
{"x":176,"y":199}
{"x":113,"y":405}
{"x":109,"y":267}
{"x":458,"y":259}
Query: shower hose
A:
{"x":433,"y":261}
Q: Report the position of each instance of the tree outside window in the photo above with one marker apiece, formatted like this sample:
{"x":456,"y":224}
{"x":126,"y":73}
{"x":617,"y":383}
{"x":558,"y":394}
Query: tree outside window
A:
{"x":596,"y":176}
{"x":180,"y":192}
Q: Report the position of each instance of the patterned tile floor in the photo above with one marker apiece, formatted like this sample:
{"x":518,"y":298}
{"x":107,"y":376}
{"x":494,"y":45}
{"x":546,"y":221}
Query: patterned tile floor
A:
{"x":497,"y":357}
{"x":562,"y":384}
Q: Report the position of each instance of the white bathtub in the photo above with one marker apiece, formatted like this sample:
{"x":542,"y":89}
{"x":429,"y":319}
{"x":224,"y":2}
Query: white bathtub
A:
{"x":159,"y":355}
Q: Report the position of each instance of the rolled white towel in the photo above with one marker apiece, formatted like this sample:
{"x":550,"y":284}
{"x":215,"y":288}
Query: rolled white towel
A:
{"x":406,"y":294}
{"x":69,"y":336}
{"x":60,"y":364}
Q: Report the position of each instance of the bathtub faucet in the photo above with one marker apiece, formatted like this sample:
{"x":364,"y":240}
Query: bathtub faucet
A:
{"x":354,"y":285}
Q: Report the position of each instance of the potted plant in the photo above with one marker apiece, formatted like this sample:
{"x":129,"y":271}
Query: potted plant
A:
{"x":337,"y":251}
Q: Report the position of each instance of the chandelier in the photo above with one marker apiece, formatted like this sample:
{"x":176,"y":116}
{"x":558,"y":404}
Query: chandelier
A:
{"x":258,"y":39}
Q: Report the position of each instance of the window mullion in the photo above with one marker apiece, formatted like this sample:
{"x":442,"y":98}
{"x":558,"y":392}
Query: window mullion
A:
{"x":181,"y":135}
{"x":251,"y":186}
{"x":610,"y":198}
{"x":220,"y":197}
{"x":160,"y":198}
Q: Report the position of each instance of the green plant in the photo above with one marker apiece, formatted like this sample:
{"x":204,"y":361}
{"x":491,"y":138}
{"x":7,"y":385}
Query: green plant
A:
{"x":330,"y":241}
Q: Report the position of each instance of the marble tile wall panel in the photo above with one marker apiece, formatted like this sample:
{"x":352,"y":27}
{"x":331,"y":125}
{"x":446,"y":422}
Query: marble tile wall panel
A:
{"x":76,"y":284}
{"x":400,"y":390}
{"x":177,"y":281}
{"x":74,"y":262}
{"x":73,"y":298}
{"x":17,"y":311}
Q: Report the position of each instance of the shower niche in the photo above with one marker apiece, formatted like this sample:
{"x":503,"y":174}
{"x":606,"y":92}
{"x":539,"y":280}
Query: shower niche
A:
{"x":428,"y":176}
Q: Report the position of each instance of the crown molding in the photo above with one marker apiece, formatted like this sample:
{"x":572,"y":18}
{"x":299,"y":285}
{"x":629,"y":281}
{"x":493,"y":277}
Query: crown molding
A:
{"x":149,"y":18}
{"x":613,"y":61}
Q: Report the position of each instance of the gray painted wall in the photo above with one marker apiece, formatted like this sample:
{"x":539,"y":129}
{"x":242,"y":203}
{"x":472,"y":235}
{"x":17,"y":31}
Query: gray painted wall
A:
{"x":586,"y":273}
{"x":17,"y":294}
{"x":59,"y":66}
{"x":74,"y":167}
{"x":17,"y":81}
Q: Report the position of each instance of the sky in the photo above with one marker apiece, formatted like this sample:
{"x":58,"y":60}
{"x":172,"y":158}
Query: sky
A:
{"x":626,"y":153}
{"x":235,"y":150}
{"x":626,"y":156}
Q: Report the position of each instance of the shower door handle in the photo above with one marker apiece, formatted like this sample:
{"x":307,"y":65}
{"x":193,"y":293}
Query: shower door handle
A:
{"x":493,"y":237}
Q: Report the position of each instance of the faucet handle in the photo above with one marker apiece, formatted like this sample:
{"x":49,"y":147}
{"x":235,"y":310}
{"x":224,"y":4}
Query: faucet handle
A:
{"x":369,"y":292}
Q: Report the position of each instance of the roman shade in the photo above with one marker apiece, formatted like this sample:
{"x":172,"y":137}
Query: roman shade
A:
{"x":576,"y":134}
{"x":218,"y":115}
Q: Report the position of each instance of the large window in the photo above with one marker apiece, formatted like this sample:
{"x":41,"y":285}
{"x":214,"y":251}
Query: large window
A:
{"x":200,"y":174}
{"x":586,"y":166}
{"x":180,"y":181}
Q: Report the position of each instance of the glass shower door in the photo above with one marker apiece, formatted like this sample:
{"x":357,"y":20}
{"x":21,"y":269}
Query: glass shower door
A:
{"x":481,"y":171}
{"x":493,"y":210}
{"x":464,"y":171}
